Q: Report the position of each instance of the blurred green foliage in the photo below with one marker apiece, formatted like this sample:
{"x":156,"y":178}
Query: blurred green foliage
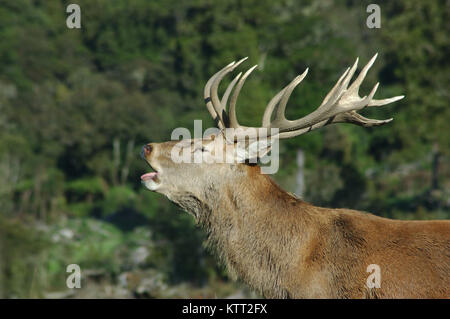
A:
{"x":77,"y":104}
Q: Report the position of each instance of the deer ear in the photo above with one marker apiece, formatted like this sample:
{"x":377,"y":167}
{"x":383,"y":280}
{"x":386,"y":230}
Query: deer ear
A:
{"x":252,"y":151}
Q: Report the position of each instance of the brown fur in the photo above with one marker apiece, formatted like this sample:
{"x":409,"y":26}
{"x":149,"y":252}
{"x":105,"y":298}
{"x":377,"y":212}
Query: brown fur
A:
{"x":286,"y":248}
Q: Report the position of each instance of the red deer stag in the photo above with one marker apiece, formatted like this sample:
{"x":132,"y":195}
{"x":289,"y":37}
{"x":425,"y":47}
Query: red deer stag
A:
{"x":278,"y":244}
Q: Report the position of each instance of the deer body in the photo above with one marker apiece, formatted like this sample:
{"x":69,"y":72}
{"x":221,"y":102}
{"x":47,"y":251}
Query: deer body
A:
{"x":287,"y":248}
{"x":280,"y":245}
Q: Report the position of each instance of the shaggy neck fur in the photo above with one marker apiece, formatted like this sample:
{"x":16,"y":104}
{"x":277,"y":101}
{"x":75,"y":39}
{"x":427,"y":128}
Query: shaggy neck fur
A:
{"x":242,"y":227}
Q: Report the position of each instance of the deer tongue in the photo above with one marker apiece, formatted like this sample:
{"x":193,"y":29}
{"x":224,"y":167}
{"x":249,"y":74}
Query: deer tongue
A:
{"x":148,"y":176}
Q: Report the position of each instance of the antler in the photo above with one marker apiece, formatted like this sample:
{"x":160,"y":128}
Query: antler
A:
{"x":339,"y":106}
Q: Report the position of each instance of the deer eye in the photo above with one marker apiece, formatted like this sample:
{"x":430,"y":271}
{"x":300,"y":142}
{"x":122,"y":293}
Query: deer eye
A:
{"x":200,"y":148}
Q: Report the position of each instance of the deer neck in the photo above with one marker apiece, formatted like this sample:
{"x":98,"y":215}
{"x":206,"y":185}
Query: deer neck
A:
{"x":250,"y":221}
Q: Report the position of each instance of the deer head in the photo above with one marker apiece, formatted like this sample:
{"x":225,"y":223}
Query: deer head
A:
{"x":225,"y":154}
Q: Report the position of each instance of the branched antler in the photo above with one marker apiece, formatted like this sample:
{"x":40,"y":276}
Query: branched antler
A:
{"x":340,"y":105}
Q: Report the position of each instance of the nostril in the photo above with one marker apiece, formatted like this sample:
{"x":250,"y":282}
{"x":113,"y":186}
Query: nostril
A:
{"x":146,"y":150}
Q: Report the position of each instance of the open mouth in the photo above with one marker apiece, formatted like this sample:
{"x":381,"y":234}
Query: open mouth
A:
{"x":151,"y":179}
{"x":149,"y":176}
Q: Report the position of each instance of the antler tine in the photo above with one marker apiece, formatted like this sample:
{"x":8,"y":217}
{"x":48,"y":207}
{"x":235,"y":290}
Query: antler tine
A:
{"x":230,"y":87}
{"x":207,"y":96}
{"x":271,"y":106}
{"x":335,"y":87}
{"x":232,"y":111}
{"x":339,"y":88}
{"x":280,"y":114}
{"x":349,"y":76}
{"x":358,"y":119}
{"x":219,"y":108}
{"x":385,"y":101}
{"x":354,"y":88}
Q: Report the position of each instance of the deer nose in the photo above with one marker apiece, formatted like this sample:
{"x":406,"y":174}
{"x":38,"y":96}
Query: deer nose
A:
{"x":146,"y":150}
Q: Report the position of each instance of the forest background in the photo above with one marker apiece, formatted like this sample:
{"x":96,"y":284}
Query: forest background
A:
{"x":76,"y":106}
